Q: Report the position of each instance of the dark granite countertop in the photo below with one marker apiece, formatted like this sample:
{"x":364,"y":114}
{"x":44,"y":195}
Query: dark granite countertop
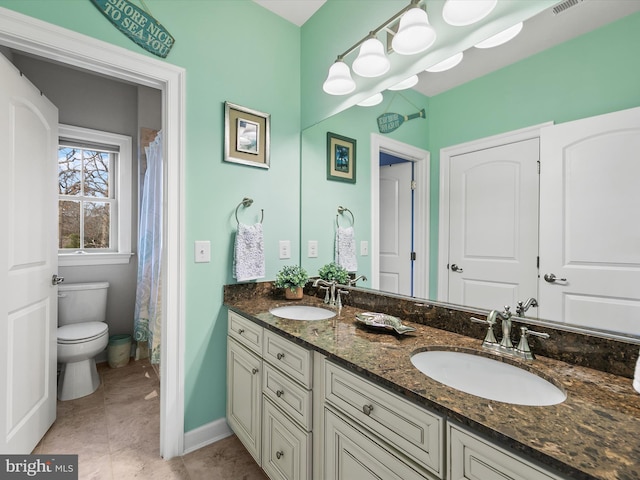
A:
{"x":593,"y":434}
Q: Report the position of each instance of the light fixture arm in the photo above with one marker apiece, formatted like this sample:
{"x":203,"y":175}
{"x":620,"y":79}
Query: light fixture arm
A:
{"x":385,"y":25}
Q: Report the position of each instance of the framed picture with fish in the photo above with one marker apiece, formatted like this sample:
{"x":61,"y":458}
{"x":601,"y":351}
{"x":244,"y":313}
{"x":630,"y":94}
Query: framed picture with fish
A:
{"x":341,"y":158}
{"x":246,"y":136}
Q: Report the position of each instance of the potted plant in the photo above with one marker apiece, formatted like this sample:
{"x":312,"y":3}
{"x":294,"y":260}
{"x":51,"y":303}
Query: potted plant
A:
{"x":334,"y":272}
{"x":292,"y":278}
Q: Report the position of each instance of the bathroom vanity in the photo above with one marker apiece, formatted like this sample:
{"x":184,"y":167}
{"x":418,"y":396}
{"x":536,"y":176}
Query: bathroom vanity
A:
{"x":329,"y":399}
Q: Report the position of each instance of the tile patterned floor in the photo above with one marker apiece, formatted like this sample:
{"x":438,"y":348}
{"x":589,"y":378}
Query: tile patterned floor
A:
{"x":116,"y":430}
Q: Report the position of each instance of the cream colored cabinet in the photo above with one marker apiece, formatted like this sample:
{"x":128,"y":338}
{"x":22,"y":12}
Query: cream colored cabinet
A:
{"x":244,"y":396}
{"x":471,"y":457}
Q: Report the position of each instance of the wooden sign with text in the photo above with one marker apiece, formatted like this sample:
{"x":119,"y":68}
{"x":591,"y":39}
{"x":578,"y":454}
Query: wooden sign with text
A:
{"x":138,"y":25}
{"x":388,"y":122}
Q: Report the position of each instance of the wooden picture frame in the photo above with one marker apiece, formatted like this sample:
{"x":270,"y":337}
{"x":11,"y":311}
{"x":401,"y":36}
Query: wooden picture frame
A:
{"x":247,"y":136}
{"x":341,"y":158}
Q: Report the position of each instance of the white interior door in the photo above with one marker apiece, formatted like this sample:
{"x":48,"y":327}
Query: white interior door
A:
{"x":590,"y":236}
{"x":28,"y":260}
{"x":493,"y":225}
{"x":395,"y":235}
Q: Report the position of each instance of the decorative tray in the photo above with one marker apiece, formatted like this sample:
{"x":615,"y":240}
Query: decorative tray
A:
{"x":383,"y":321}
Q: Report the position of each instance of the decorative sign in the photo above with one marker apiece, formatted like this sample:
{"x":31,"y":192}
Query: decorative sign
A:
{"x":388,"y":122}
{"x":138,"y":25}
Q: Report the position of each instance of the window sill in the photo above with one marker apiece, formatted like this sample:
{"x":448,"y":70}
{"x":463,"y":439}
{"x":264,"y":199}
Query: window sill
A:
{"x":86,"y":259}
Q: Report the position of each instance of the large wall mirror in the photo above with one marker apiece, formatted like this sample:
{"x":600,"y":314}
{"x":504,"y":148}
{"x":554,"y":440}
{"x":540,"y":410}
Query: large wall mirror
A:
{"x":561,"y":79}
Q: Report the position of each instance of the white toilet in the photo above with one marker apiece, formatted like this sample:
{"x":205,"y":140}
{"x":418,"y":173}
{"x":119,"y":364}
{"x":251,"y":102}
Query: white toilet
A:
{"x":82,"y":334}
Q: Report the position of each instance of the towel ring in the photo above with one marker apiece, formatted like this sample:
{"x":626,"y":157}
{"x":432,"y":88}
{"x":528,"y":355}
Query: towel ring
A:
{"x":247,"y":202}
{"x":341,"y":211}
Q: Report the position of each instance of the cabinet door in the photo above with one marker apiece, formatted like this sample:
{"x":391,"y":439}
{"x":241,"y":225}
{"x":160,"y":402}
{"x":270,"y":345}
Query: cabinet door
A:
{"x":244,"y":394}
{"x":349,"y":454}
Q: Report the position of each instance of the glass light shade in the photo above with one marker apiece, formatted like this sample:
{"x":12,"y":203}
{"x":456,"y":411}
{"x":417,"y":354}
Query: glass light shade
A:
{"x":500,"y":38}
{"x":371,"y":101}
{"x":339,"y":81}
{"x":460,"y":13}
{"x":447,"y":64}
{"x":415,"y":34}
{"x":371,"y":61}
{"x":408,"y":83}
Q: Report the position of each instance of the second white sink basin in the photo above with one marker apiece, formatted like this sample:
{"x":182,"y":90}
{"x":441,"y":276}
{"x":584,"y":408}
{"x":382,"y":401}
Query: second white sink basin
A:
{"x":487,"y":378}
{"x":302,"y":312}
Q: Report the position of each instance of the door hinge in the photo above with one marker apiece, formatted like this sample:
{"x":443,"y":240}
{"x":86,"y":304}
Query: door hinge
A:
{"x":538,"y":262}
{"x":413,"y":256}
{"x":538,"y":167}
{"x":413,"y":185}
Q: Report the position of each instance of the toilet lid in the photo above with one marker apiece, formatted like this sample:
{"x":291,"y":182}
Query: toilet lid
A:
{"x":81,"y":331}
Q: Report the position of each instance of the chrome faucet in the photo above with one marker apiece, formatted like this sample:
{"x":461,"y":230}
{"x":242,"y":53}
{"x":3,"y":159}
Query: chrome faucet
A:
{"x":330,"y":287}
{"x":353,"y":282}
{"x":523,"y":307}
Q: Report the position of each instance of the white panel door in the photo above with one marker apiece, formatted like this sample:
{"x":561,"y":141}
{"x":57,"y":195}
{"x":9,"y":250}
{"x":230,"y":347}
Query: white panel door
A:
{"x":590,"y":236}
{"x":493,"y":237}
{"x":395,"y":231}
{"x":28,"y":260}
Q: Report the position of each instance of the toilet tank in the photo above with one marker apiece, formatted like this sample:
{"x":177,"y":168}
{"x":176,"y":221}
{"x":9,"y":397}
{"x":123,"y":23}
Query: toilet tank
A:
{"x":82,"y":302}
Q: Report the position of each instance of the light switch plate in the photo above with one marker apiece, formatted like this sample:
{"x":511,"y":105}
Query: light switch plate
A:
{"x":312,"y":249}
{"x":364,"y":248}
{"x":202,"y":251}
{"x":285,"y":249}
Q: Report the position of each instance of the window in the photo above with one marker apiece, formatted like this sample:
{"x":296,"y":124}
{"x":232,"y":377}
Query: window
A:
{"x":94,"y":197}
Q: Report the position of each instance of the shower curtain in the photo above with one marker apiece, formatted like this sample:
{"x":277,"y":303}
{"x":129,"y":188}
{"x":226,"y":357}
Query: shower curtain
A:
{"x":148,"y":310}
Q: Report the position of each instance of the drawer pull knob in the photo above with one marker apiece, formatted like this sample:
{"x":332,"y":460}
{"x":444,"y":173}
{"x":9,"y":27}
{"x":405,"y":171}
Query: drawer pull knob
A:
{"x":279,"y":454}
{"x":240,"y":331}
{"x":280,"y":356}
{"x":279,"y":393}
{"x":366,"y":409}
{"x":254,"y":371}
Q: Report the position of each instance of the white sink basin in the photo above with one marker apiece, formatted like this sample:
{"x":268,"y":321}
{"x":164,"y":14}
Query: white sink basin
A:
{"x":487,"y":378}
{"x":302,"y":312}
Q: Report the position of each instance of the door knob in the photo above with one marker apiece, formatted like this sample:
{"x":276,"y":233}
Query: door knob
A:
{"x":551,"y":278}
{"x":456,"y":268}
{"x":56,"y":280}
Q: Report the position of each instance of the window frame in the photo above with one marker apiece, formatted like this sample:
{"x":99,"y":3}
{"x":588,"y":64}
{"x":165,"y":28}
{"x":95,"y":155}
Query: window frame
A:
{"x":121,"y":184}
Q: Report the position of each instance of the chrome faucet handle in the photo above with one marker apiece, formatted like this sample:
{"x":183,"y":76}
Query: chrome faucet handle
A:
{"x":523,"y":349}
{"x":490,"y":338}
{"x":339,"y":299}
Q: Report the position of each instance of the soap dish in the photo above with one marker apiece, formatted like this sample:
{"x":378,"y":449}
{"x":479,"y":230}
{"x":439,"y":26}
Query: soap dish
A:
{"x":382,"y":321}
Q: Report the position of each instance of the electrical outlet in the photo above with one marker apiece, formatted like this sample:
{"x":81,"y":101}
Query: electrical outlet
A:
{"x":364,"y":248}
{"x":285,"y":249}
{"x":312,"y":249}
{"x":202,"y":251}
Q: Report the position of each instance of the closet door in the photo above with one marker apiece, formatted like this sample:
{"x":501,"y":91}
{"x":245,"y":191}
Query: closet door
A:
{"x":590,"y":233}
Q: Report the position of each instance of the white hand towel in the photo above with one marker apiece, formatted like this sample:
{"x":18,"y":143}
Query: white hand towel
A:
{"x":248,"y":257}
{"x":345,"y":249}
{"x":636,"y":376}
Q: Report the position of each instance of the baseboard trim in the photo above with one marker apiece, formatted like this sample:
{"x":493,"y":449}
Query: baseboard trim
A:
{"x":206,"y":434}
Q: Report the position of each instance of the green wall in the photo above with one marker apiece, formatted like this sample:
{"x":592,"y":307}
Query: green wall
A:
{"x":237,"y":51}
{"x":596,"y":73}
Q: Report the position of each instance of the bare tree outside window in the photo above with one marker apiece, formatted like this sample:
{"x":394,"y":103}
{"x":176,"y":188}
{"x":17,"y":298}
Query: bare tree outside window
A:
{"x":85,"y":198}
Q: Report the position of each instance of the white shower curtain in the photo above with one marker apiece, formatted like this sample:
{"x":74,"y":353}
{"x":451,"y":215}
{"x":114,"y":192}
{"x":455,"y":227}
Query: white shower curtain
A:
{"x":148,"y":311}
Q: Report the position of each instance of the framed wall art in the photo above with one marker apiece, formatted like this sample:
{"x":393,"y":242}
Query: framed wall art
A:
{"x":246,"y":136}
{"x":341,"y":158}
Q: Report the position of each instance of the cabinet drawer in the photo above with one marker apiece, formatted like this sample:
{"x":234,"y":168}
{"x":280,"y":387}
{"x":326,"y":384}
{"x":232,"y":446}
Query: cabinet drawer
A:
{"x":473,"y":458}
{"x":246,"y":332}
{"x":410,"y":428}
{"x":350,"y":454}
{"x":292,"y":359}
{"x":295,"y":400}
{"x":286,"y":452}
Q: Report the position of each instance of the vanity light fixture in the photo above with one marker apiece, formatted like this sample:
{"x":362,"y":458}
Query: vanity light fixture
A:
{"x":403,"y":85}
{"x":446,"y":64}
{"x":371,"y":101}
{"x":413,"y":35}
{"x":339,"y":81}
{"x":371,"y":61}
{"x":500,"y":38}
{"x":460,"y":13}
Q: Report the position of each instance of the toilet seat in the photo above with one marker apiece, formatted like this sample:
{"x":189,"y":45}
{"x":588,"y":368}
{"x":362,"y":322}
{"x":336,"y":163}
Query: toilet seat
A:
{"x":81,"y":332}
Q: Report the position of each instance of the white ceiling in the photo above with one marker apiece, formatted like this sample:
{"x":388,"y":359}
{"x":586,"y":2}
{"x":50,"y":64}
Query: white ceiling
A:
{"x":539,"y":33}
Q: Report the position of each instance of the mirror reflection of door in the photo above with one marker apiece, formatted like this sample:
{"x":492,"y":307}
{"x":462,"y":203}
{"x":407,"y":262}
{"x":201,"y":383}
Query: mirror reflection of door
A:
{"x":493,"y":225}
{"x":397,"y":223}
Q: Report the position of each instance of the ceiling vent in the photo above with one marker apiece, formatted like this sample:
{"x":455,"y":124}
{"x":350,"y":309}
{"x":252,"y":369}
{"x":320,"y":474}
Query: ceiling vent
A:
{"x":564,"y":6}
